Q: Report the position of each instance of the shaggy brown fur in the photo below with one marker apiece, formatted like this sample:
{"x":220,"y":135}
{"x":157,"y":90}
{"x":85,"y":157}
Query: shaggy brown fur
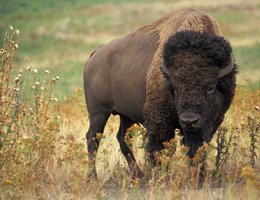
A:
{"x":161,"y":117}
{"x":156,"y":98}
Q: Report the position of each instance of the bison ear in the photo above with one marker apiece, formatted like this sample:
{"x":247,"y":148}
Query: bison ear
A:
{"x":164,"y":69}
{"x":226,"y":70}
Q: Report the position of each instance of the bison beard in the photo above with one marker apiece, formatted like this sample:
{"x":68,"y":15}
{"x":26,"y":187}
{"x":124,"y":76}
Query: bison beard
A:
{"x":194,"y":140}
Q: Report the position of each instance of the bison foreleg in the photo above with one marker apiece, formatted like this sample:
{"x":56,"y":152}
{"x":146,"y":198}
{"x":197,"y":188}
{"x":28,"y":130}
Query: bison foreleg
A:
{"x":155,"y":143}
{"x":152,"y":146}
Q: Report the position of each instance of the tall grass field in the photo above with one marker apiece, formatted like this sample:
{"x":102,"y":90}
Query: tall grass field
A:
{"x":43,"y":48}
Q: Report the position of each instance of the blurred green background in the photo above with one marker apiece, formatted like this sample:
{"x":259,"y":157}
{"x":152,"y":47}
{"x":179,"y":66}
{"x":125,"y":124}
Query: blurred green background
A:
{"x":60,"y":35}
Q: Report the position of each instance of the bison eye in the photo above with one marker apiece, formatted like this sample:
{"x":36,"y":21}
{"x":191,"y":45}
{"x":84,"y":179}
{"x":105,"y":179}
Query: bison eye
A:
{"x":211,"y":89}
{"x":171,"y":90}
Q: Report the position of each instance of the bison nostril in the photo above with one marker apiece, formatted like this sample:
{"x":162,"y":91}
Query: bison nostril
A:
{"x":190,"y":119}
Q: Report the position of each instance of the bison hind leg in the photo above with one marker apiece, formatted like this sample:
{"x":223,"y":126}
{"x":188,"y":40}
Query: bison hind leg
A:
{"x":125,"y":123}
{"x":98,"y":121}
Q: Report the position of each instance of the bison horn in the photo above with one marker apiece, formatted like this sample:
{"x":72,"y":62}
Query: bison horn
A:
{"x":227,"y":69}
{"x":164,"y":69}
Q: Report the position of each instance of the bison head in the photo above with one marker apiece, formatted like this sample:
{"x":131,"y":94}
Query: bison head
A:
{"x":200,"y":80}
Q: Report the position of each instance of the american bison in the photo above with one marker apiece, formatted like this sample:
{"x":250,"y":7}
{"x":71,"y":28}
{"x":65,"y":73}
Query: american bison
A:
{"x":177,"y":72}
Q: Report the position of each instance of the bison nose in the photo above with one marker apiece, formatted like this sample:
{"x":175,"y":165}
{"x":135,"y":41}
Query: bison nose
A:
{"x":190,"y":121}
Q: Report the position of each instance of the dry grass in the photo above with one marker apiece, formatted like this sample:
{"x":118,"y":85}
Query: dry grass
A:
{"x":43,"y":152}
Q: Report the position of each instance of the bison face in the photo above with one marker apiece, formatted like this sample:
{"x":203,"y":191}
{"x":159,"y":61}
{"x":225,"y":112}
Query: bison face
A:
{"x":200,"y":82}
{"x":192,"y":88}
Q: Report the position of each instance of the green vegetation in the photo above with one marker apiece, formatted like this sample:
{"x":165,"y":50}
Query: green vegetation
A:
{"x":60,"y":35}
{"x":42,"y":144}
{"x":234,"y":17}
{"x":247,"y":56}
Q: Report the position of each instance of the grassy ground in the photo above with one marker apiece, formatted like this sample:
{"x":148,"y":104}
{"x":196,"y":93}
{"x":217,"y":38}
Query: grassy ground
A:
{"x":60,"y":35}
{"x":42,"y":145}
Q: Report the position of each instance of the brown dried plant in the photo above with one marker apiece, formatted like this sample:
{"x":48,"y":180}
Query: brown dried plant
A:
{"x":253,"y":130}
{"x":27,"y":128}
{"x":223,"y":147}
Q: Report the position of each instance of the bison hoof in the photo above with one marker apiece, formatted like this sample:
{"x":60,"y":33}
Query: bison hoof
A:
{"x":91,"y":173}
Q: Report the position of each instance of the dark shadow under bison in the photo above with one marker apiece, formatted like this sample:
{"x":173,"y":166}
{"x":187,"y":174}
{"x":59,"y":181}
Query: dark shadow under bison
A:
{"x":177,"y":72}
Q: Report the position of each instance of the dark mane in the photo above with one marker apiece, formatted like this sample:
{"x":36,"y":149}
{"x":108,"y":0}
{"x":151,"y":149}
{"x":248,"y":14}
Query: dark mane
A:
{"x":214,"y":48}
